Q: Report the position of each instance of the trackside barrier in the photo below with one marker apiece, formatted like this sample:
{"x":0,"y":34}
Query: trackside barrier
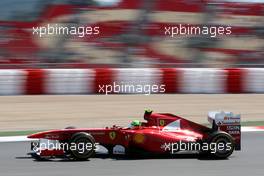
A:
{"x":12,"y":82}
{"x":90,"y":81}
{"x":254,"y":80}
{"x":69,"y":81}
{"x":203,"y":80}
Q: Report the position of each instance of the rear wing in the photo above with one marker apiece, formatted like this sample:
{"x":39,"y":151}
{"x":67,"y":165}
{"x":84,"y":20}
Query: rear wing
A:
{"x":228,"y":122}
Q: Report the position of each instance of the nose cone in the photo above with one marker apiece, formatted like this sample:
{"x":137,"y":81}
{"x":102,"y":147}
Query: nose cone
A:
{"x":37,"y":135}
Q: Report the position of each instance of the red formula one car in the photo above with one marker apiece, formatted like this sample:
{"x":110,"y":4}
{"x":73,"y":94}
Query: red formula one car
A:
{"x":160,"y":134}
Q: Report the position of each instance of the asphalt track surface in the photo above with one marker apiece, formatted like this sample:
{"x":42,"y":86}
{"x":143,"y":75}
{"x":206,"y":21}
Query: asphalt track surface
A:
{"x":248,"y":162}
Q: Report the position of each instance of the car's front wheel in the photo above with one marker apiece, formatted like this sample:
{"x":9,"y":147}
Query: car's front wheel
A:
{"x":81,"y":146}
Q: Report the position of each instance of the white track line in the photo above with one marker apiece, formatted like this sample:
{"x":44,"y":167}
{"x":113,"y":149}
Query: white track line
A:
{"x":24,"y":138}
{"x":251,"y":129}
{"x":14,"y":139}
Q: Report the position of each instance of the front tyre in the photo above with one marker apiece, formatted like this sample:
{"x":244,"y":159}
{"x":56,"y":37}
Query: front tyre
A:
{"x":82,"y":146}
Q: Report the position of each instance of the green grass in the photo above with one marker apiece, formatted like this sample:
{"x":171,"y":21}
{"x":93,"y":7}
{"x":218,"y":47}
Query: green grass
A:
{"x":253,"y":123}
{"x":17,"y":133}
{"x":24,"y":133}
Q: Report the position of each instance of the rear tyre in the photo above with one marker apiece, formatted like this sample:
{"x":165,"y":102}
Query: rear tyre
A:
{"x":221,"y":145}
{"x":82,"y":146}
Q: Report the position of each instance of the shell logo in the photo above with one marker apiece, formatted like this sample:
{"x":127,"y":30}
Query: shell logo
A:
{"x":139,"y":138}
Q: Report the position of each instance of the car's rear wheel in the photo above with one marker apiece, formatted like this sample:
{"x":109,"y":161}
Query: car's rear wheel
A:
{"x":221,"y":145}
{"x":81,"y":146}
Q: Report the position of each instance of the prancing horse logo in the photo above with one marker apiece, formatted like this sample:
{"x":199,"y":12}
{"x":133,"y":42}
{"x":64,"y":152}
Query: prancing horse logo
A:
{"x":112,"y":135}
{"x":162,"y":122}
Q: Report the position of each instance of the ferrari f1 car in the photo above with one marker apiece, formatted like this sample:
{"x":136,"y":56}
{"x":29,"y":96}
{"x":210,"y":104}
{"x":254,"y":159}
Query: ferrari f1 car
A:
{"x":159,"y":134}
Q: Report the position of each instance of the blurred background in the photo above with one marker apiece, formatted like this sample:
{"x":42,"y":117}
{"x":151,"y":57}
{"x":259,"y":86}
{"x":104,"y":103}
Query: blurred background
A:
{"x":131,"y":33}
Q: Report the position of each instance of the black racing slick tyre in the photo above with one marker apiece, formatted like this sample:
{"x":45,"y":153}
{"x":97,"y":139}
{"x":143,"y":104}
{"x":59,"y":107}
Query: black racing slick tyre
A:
{"x":82,"y":146}
{"x":221,"y":145}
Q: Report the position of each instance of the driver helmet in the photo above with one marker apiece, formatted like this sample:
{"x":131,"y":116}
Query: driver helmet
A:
{"x":135,"y":123}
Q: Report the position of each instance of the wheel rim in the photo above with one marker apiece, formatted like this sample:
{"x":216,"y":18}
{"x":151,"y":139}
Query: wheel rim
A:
{"x":84,"y":148}
{"x":225,"y":152}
